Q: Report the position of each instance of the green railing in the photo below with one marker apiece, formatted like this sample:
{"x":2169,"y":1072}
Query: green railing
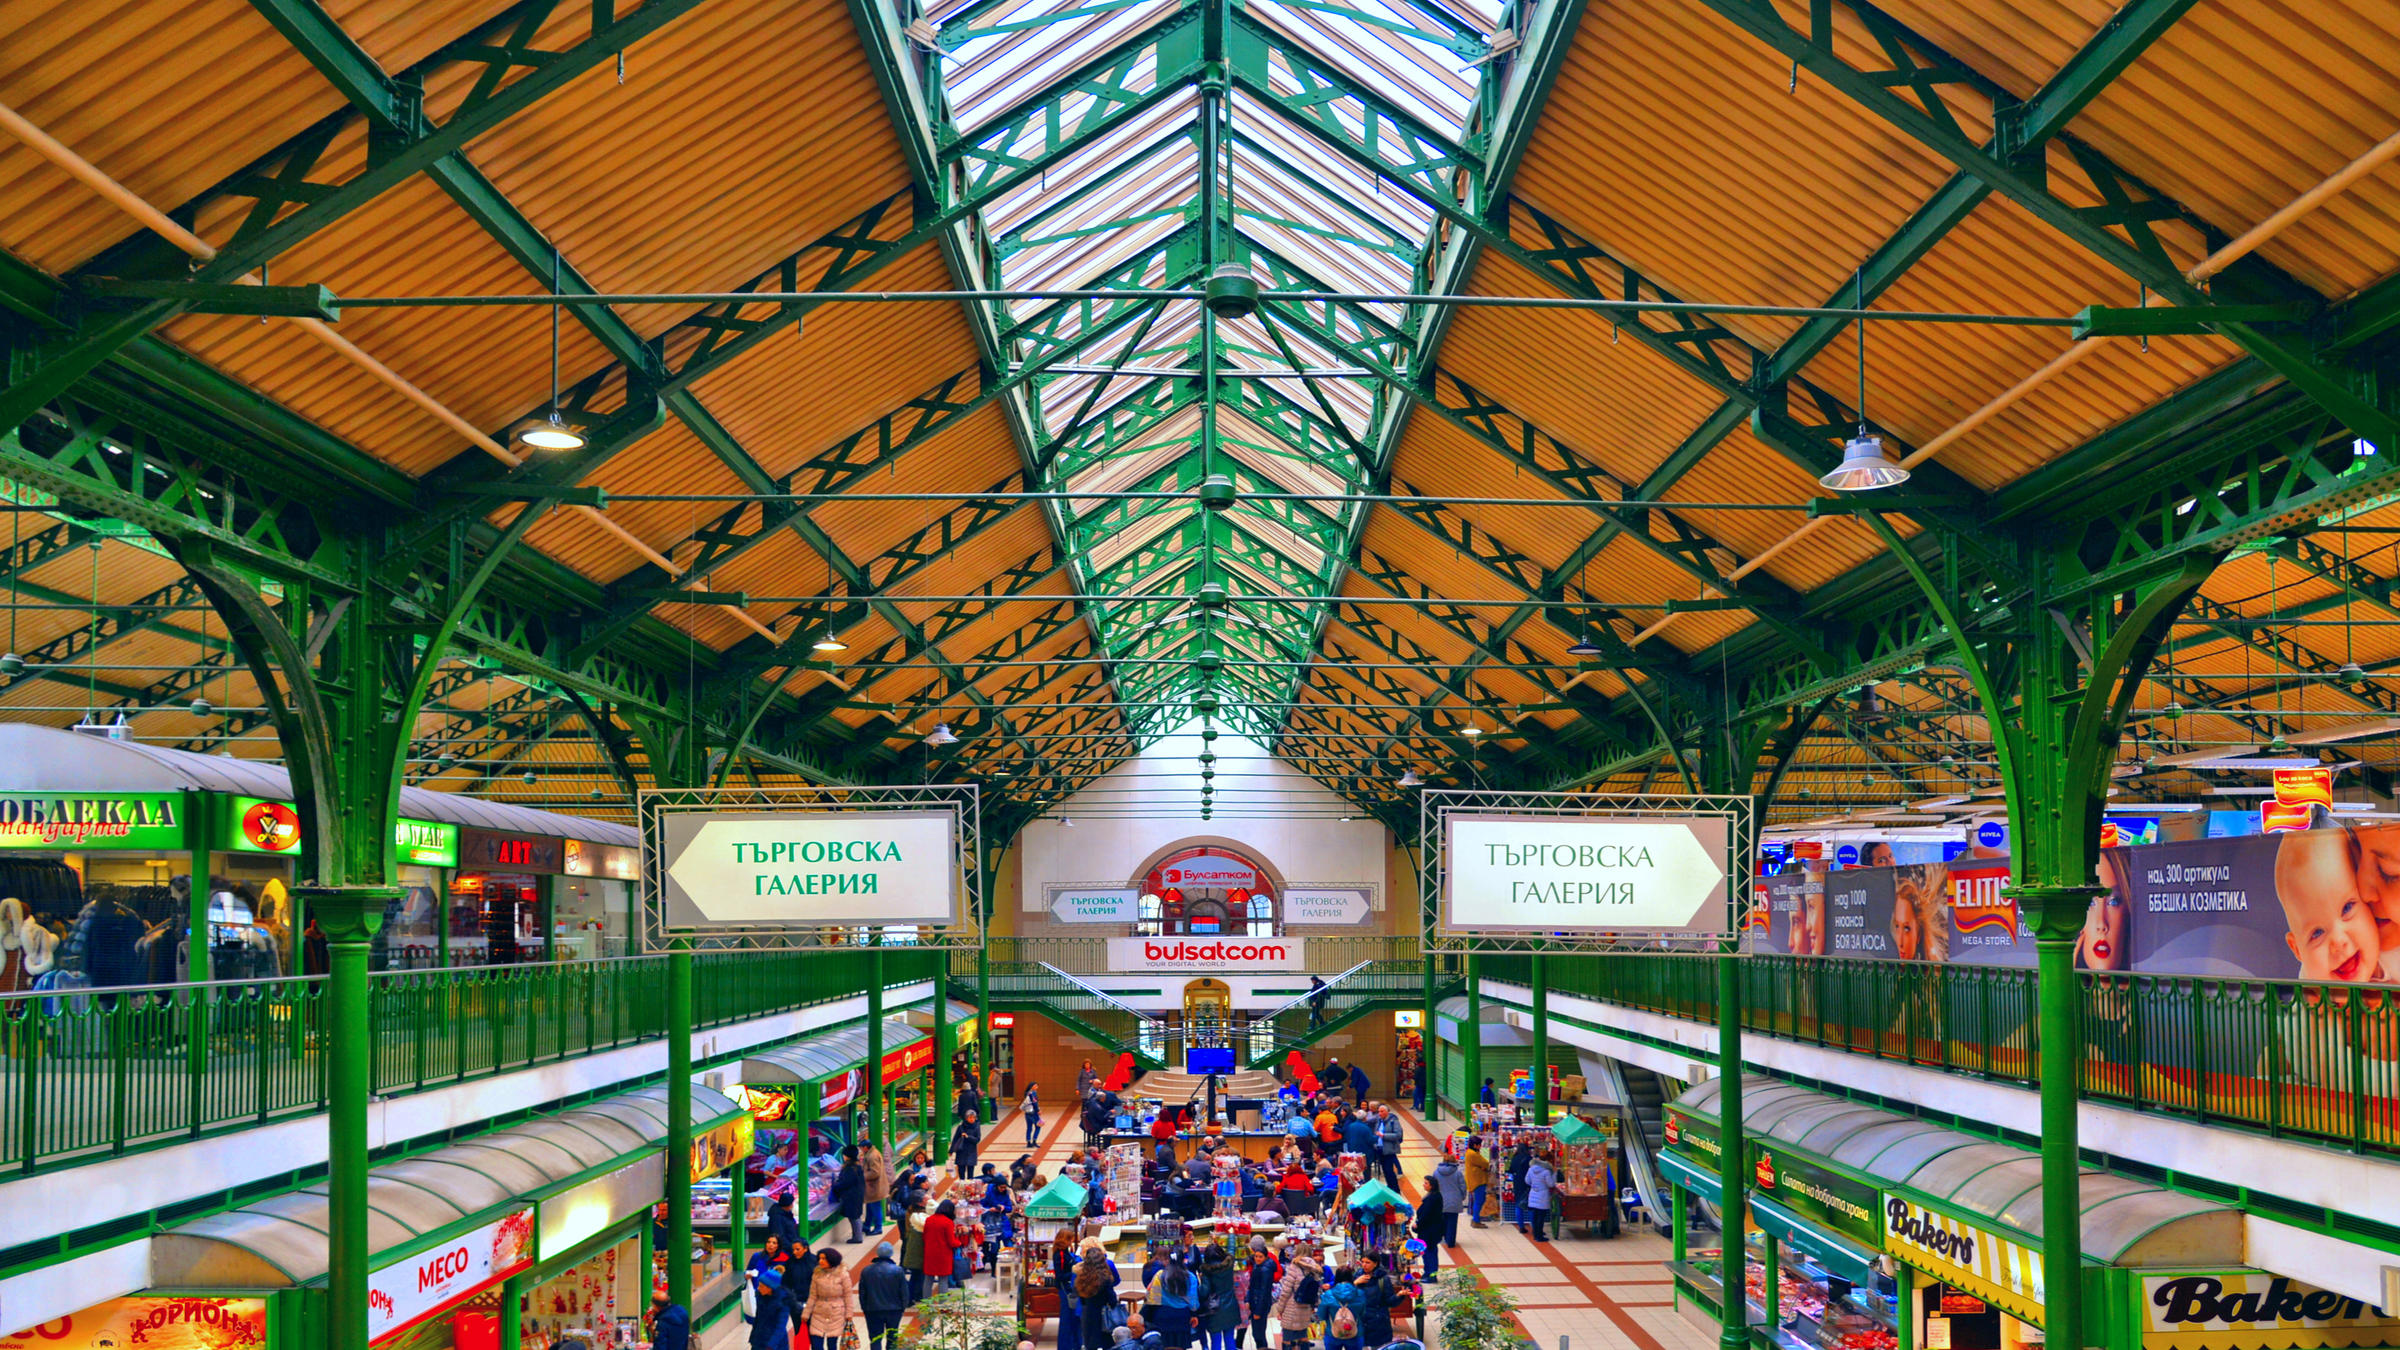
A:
{"x":1291,"y":1027}
{"x":1089,"y":955}
{"x":93,"y":1074}
{"x":2318,"y":1061}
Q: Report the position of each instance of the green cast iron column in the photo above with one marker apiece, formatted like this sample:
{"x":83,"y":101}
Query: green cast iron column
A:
{"x":1470,"y":1037}
{"x":512,"y":1307}
{"x":679,"y":1123}
{"x":1541,"y":1042}
{"x":349,"y":916}
{"x":984,"y":1080}
{"x":879,"y":1121}
{"x":2058,"y":1031}
{"x":942,"y":1085}
{"x":1426,"y":1038}
{"x":1733,"y":1312}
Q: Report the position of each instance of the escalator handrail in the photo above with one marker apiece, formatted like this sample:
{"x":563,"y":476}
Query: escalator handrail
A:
{"x":1290,"y":1004}
{"x":1103,"y":995}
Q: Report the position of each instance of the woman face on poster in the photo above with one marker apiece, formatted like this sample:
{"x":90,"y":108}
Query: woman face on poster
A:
{"x":2101,"y":944}
{"x":1908,"y":929}
{"x":2379,"y":886}
{"x":1808,"y":925}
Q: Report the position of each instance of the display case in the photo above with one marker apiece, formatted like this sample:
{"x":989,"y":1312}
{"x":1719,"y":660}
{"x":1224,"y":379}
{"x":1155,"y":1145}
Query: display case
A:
{"x":1815,"y":1309}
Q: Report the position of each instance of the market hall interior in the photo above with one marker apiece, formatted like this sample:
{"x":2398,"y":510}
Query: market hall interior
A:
{"x":1340,"y":672}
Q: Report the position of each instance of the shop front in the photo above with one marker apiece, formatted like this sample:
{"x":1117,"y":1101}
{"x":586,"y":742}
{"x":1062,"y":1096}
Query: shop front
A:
{"x":185,"y":1321}
{"x":810,"y":1100}
{"x":592,"y":911}
{"x":1886,"y":1229}
{"x":2243,"y":1309}
{"x":542,"y":1228}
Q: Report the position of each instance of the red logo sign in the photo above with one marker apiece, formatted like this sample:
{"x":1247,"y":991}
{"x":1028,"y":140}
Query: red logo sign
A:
{"x":271,"y":826}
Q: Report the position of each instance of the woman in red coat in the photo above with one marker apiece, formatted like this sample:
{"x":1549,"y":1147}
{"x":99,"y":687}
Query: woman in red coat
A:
{"x":942,"y":1241}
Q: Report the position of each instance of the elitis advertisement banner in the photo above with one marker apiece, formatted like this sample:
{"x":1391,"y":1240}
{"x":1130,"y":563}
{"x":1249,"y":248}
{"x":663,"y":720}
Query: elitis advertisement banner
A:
{"x":1937,"y":912}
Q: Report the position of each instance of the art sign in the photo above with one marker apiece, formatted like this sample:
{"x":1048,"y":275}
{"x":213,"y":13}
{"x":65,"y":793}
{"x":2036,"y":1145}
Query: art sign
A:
{"x":1327,"y":905}
{"x":257,"y":825}
{"x":1230,"y":955}
{"x":1121,"y":905}
{"x":1584,"y":874}
{"x":752,"y":869}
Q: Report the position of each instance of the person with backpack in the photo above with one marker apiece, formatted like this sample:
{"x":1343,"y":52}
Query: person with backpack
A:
{"x":1173,"y":1305}
{"x":1258,"y":1292}
{"x":1375,"y":1296}
{"x":1296,"y":1295}
{"x":1338,"y":1308}
{"x":1220,"y":1303}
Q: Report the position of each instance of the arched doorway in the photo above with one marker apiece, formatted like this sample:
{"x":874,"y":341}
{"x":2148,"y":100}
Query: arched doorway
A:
{"x":1208,"y":1012}
{"x":1209,"y":890}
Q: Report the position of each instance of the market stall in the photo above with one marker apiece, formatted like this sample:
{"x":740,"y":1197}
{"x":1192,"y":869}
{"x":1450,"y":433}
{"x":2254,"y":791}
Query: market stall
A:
{"x":811,"y":1099}
{"x":1586,"y":1162}
{"x":1376,"y":1218}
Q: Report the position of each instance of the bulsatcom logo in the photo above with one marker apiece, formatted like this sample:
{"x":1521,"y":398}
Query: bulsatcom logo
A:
{"x":1213,"y":951}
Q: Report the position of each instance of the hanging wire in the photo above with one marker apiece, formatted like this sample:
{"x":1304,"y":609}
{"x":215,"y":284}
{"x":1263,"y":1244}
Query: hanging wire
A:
{"x":92,"y":655}
{"x":557,"y":270}
{"x":1861,"y":324}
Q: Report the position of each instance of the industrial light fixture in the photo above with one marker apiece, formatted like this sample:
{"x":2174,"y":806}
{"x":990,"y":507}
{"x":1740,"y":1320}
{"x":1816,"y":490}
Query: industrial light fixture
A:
{"x":1470,"y":730}
{"x":594,"y":794}
{"x":2278,"y":746}
{"x":1066,"y":822}
{"x":1411,"y":778}
{"x":829,"y":643}
{"x":941,"y":735}
{"x":1863,"y":467}
{"x":531,"y":778}
{"x":553,"y":433}
{"x":12,"y":665}
{"x":201,"y":707}
{"x":2351,"y":673}
{"x":1584,"y":646}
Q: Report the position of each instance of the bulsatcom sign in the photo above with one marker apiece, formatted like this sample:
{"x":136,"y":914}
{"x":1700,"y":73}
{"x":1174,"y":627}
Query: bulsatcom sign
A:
{"x":1554,"y":874}
{"x":752,"y":869}
{"x":1233,"y":955}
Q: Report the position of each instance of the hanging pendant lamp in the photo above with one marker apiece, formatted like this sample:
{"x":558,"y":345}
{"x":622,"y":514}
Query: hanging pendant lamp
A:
{"x":1863,"y":467}
{"x":552,"y":433}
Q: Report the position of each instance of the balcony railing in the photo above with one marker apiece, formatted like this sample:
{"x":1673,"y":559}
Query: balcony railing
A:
{"x":2315,"y":1061}
{"x":95,"y":1073}
{"x":1089,"y":955}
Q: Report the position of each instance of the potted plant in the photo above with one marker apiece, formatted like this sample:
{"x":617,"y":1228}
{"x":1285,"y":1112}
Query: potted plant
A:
{"x":957,"y":1319}
{"x":1475,"y":1314}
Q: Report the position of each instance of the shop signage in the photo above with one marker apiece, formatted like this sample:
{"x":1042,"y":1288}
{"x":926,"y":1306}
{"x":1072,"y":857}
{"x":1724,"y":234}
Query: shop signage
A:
{"x":80,"y":820}
{"x":1695,"y":1137}
{"x":2252,"y":1310}
{"x":1211,"y":870}
{"x":1095,"y":904}
{"x":767,"y":1105}
{"x":1327,"y":904}
{"x":1236,"y":955}
{"x":256,"y":825}
{"x":914,"y":1057}
{"x":1996,"y":1269}
{"x":1003,"y":1021}
{"x":490,"y":851}
{"x":715,"y":1150}
{"x":738,"y":869}
{"x":1821,"y":1195}
{"x":1407,"y":1019}
{"x":157,"y":1323}
{"x":410,"y":1290}
{"x":841,"y":1090}
{"x":1547,"y":874}
{"x":603,"y":860}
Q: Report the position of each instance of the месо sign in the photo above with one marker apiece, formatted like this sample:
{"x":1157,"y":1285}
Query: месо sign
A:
{"x":743,"y":869}
{"x":1551,"y":874}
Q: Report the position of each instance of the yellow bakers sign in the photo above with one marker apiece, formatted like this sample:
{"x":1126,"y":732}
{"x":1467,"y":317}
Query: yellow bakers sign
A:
{"x":1997,"y":1269}
{"x":2252,"y":1310}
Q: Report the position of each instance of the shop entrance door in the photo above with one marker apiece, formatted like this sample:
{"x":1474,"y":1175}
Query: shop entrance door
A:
{"x":1208,"y":1012}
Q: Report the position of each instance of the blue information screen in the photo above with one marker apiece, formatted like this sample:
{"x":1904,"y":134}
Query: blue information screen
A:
{"x":1208,"y":1059}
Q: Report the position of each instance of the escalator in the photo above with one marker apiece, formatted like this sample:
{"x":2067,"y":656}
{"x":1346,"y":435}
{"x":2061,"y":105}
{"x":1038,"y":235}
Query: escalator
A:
{"x":1366,"y":987}
{"x":1644,"y":1095}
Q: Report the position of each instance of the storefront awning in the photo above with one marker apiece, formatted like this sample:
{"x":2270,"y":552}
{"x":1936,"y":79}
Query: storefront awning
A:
{"x":823,"y":1054}
{"x":1497,"y":1029}
{"x":279,"y":1243}
{"x":1683,"y":1172}
{"x":1830,"y":1250}
{"x":1064,"y":1198}
{"x":46,"y":759}
{"x":2126,"y":1221}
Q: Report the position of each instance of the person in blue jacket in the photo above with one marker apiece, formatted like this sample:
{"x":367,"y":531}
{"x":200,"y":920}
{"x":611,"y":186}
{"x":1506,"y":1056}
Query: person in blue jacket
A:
{"x":1343,"y":1297}
{"x":771,"y":1328}
{"x":670,"y":1324}
{"x":1358,"y":1081}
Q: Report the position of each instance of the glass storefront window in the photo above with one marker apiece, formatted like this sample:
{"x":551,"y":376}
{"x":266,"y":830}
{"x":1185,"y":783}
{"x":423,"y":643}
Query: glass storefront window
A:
{"x":250,"y":933}
{"x":495,"y":919}
{"x":592,"y":918}
{"x":411,"y":936}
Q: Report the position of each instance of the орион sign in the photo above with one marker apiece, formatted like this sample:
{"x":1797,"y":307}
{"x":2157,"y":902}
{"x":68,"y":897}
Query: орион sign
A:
{"x":1236,"y":955}
{"x":1551,"y":874}
{"x":761,"y":868}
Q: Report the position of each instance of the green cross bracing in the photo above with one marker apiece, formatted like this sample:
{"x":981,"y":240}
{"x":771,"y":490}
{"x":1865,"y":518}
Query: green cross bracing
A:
{"x":1123,"y":148}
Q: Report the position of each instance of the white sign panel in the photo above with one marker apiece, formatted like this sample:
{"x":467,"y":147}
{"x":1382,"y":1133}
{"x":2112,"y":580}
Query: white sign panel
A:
{"x":1211,"y":870}
{"x":1216,"y":955}
{"x":753,"y":868}
{"x":1095,"y":904}
{"x":1327,"y":904}
{"x":1552,"y":874}
{"x":409,"y":1291}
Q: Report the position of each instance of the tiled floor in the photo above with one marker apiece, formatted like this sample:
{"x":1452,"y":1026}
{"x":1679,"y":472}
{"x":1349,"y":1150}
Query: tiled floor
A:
{"x":1573,"y":1293}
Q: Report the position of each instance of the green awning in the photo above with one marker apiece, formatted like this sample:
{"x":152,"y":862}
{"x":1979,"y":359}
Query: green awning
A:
{"x":1690,"y":1175}
{"x":1837,"y":1254}
{"x":1376,"y":1195}
{"x":1577,"y":1130}
{"x":1061,"y":1199}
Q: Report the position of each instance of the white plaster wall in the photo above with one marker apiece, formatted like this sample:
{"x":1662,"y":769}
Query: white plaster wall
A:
{"x":1266,"y":809}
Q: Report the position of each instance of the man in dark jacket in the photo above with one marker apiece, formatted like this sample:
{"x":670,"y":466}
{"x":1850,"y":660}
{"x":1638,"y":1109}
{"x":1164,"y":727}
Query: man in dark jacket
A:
{"x":781,"y":1223}
{"x":1358,"y":1082}
{"x":849,"y":1194}
{"x":1358,"y":1136}
{"x":963,"y":1144}
{"x":670,"y":1325}
{"x":1431,"y":1225}
{"x":883,"y":1297}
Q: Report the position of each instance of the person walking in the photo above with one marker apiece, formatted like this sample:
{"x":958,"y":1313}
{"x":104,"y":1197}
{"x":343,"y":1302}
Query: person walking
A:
{"x":1452,"y":1179}
{"x":1375,"y":1301}
{"x":1258,"y":1291}
{"x":883,"y":1298}
{"x":943,"y":1239}
{"x":964,"y":1142}
{"x":1387,"y":1146}
{"x":913,"y":1219}
{"x":1358,"y":1082}
{"x":780,"y":1223}
{"x":670,"y":1324}
{"x":1174,"y":1302}
{"x":832,"y":1304}
{"x":1338,"y":1309}
{"x":770,"y":1326}
{"x":1539,"y":1180}
{"x":1318,"y":992}
{"x":1478,"y":1169}
{"x":1296,"y":1296}
{"x":849,"y":1194}
{"x":1220,"y":1313}
{"x":1033,"y":1114}
{"x":1519,"y":1163}
{"x":878,"y":1172}
{"x":1095,"y":1293}
{"x":1432,"y":1216}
